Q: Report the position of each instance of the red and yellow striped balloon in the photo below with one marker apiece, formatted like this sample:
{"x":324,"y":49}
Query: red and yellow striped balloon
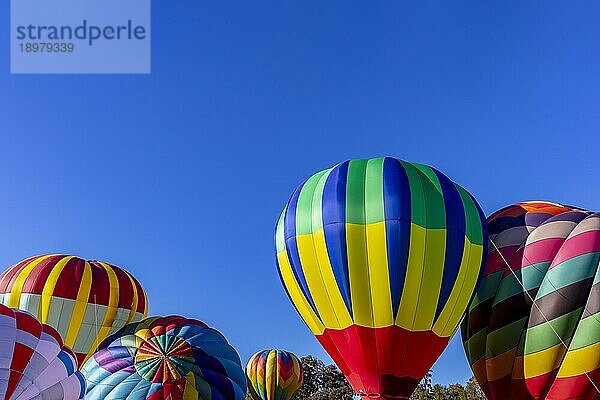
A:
{"x":85,"y":301}
{"x":274,"y":375}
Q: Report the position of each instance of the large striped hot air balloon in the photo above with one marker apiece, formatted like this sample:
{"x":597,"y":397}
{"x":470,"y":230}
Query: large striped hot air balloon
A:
{"x":380,"y":257}
{"x":165,"y":358}
{"x":274,"y":375}
{"x":34,"y":363}
{"x":85,"y":301}
{"x":533,"y":329}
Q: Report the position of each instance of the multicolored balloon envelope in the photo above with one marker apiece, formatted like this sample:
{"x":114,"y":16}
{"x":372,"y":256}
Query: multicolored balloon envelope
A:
{"x":274,"y":375}
{"x":34,"y":363}
{"x":533,"y":330}
{"x":380,"y":257}
{"x":170,"y":358}
{"x":85,"y":301}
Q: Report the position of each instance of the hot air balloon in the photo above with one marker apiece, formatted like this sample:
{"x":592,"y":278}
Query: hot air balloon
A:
{"x":165,"y":358}
{"x":34,"y":363}
{"x":85,"y":301}
{"x":274,"y":375}
{"x":380,"y":257}
{"x":532,"y":330}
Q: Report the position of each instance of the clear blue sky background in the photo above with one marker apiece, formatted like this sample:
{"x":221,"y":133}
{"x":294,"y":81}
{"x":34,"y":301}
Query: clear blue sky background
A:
{"x":179,"y":176}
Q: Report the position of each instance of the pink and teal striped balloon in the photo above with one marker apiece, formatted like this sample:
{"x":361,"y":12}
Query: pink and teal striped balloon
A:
{"x":274,"y":375}
{"x":532,"y":330}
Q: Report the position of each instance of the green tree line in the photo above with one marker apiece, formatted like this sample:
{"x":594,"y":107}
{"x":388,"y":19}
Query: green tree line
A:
{"x":427,"y":390}
{"x":326,"y":382}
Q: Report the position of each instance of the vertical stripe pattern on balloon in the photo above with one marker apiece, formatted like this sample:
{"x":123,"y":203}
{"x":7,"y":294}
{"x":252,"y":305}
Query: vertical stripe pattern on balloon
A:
{"x":85,"y":301}
{"x":274,"y":375}
{"x":386,"y":253}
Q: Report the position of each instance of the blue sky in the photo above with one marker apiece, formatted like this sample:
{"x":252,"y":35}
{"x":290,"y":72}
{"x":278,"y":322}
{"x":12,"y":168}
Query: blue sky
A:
{"x":179,"y":176}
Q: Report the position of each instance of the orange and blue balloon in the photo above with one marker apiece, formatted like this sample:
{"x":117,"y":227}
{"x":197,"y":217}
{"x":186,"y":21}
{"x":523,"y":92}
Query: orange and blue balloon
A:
{"x":380,"y":257}
{"x":274,"y":375}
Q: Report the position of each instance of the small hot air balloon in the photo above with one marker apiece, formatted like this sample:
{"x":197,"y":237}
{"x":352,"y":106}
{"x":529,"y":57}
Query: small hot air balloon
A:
{"x":380,"y":257}
{"x":165,"y":358}
{"x":85,"y":301}
{"x":274,"y":375}
{"x":34,"y":363}
{"x":532,"y":330}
